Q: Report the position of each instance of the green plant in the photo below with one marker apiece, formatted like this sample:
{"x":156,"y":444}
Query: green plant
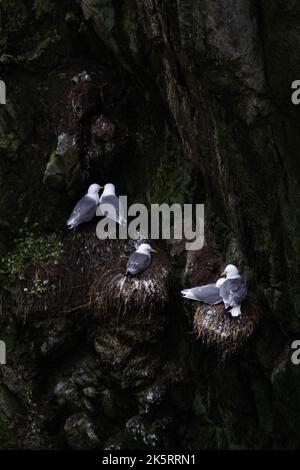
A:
{"x":29,"y":249}
{"x":38,"y":286}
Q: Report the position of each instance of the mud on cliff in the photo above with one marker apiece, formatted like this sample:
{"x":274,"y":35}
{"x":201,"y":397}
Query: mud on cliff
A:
{"x":176,"y":101}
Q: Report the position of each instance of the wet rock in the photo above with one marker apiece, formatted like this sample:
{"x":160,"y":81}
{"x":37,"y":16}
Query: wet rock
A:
{"x":169,"y":389}
{"x":154,"y":435}
{"x":104,"y":18}
{"x":85,"y":97}
{"x":63,"y":167}
{"x":66,"y":392}
{"x":80,"y":433}
{"x":125,"y":368}
{"x":263,"y":399}
{"x":109,"y":143}
{"x":148,"y":15}
{"x":122,"y":441}
{"x":35,"y":437}
{"x":79,"y":389}
{"x":52,"y":347}
{"x":90,"y":392}
{"x":285,"y":379}
{"x":10,"y":419}
{"x":13,"y":380}
{"x":102,"y":130}
{"x":58,"y":342}
{"x":64,"y":143}
{"x":153,"y":397}
{"x":202,"y":267}
{"x":108,"y":403}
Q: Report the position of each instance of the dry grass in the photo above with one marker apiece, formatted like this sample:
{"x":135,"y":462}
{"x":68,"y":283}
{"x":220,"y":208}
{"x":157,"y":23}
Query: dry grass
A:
{"x":45,"y":288}
{"x":216,"y":327}
{"x":114,"y":293}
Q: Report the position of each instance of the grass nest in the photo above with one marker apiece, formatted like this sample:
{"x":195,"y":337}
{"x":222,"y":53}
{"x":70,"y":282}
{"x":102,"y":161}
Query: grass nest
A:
{"x":45,"y":288}
{"x":113,"y":292}
{"x":216,"y":327}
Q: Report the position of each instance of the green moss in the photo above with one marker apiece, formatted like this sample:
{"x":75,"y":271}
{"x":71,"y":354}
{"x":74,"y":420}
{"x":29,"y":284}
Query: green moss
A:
{"x":64,"y":170}
{"x":49,"y":43}
{"x":6,"y":59}
{"x":55,"y":172}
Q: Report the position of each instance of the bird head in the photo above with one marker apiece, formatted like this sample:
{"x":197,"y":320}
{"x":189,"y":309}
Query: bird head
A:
{"x":146,"y":249}
{"x":109,"y":189}
{"x":230,"y":271}
{"x":94,"y":189}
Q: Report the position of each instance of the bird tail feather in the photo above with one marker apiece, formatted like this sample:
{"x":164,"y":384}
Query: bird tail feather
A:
{"x":71,"y":225}
{"x":188,"y":295}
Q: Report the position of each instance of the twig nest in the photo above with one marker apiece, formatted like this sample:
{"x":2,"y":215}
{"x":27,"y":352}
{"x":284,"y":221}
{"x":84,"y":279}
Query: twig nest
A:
{"x":215,"y":326}
{"x":45,"y":288}
{"x":112,"y":291}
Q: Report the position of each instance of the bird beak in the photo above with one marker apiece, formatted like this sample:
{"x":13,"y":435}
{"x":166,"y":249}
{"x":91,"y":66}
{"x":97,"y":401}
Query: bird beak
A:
{"x":153,"y":251}
{"x":223,"y":274}
{"x":101,"y":187}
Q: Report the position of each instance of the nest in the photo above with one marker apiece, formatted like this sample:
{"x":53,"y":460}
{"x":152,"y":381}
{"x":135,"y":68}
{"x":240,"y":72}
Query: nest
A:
{"x":45,"y":288}
{"x":215,"y":326}
{"x":113,"y":292}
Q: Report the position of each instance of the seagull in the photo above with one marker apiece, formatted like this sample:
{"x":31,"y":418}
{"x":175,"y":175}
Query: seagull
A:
{"x":86,"y":207}
{"x":140,"y":259}
{"x":111,"y":206}
{"x":233,"y":290}
{"x":230,"y":289}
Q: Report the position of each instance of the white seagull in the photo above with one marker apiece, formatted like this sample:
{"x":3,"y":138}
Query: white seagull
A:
{"x":140,"y":259}
{"x":86,"y":207}
{"x":231,"y":290}
{"x":111,"y":206}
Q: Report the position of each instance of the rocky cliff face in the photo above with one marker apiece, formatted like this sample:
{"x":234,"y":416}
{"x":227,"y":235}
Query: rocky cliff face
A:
{"x":185,"y":101}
